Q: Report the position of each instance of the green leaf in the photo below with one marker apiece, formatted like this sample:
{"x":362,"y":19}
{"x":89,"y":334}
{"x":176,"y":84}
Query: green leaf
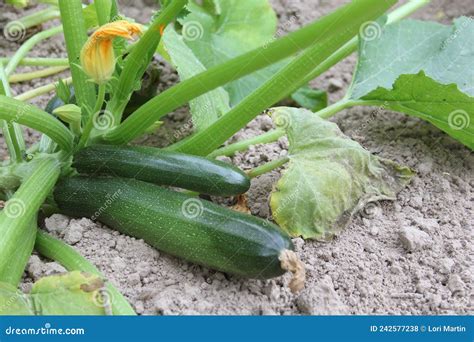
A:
{"x":312,"y":99}
{"x":422,"y":69}
{"x":206,"y":108}
{"x":442,"y":105}
{"x":329,"y":177}
{"x":223,"y":29}
{"x":73,"y":293}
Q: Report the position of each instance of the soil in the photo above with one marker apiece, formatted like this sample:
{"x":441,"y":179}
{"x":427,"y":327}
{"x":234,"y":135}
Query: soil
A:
{"x":410,"y":256}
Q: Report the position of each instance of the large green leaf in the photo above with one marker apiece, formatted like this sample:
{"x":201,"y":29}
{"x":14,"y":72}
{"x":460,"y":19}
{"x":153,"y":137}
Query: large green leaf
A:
{"x":206,"y":108}
{"x":408,"y":66}
{"x":442,"y":105}
{"x":74,"y":293}
{"x":329,"y":177}
{"x":219,"y":30}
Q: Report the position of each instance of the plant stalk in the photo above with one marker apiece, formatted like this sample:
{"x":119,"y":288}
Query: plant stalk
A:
{"x":27,"y":76}
{"x":346,"y":25}
{"x":275,"y":164}
{"x":90,"y":120}
{"x":177,"y":96}
{"x":17,"y":228}
{"x":12,"y":132}
{"x":38,"y":18}
{"x":31,"y":94}
{"x":102,"y":8}
{"x":39,"y":61}
{"x":15,"y":111}
{"x":136,"y":62}
{"x":75,"y":35}
{"x":243,"y":145}
{"x":351,"y":46}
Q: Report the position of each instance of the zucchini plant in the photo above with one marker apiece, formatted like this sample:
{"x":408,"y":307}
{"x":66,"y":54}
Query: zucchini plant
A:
{"x":230,"y":71}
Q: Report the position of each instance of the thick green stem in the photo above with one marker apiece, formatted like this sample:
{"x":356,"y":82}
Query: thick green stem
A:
{"x":90,"y":120}
{"x":17,"y":218}
{"x":14,"y":111}
{"x":238,"y":67}
{"x":102,"y":8}
{"x":28,"y":45}
{"x":67,"y":256}
{"x":12,"y":133}
{"x":275,"y":164}
{"x":38,"y":18}
{"x":335,"y":108}
{"x":265,"y":138}
{"x":140,"y":56}
{"x":287,"y":79}
{"x":31,"y":94}
{"x":27,"y":76}
{"x":351,"y":45}
{"x":75,"y":35}
{"x":39,"y":61}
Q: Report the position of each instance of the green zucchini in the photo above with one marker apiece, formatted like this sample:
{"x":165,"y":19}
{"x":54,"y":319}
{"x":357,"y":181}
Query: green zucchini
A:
{"x":162,"y":167}
{"x":196,"y":230}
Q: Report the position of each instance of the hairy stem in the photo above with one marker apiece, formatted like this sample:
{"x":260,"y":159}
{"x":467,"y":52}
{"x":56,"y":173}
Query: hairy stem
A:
{"x":102,"y":8}
{"x":275,"y":164}
{"x":214,"y":77}
{"x":75,"y":35}
{"x":265,"y":138}
{"x":136,"y":62}
{"x":14,"y":111}
{"x":17,"y":227}
{"x":346,"y":25}
{"x":351,"y":46}
{"x":90,"y":121}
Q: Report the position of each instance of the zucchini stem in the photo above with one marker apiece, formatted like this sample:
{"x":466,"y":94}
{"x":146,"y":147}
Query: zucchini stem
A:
{"x":27,"y":76}
{"x":93,"y":116}
{"x":31,"y":94}
{"x":265,"y":138}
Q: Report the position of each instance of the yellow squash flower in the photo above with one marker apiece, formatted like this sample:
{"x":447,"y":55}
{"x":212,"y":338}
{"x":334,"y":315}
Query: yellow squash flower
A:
{"x":97,"y":54}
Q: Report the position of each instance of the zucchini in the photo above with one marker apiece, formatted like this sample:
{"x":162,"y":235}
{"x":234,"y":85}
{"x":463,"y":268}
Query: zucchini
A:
{"x":162,"y":167}
{"x":196,"y":230}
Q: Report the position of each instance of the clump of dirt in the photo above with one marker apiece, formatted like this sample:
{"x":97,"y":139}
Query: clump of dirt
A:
{"x":411,"y":256}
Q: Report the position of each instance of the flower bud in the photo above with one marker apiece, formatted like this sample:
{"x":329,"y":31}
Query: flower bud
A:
{"x":97,"y":54}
